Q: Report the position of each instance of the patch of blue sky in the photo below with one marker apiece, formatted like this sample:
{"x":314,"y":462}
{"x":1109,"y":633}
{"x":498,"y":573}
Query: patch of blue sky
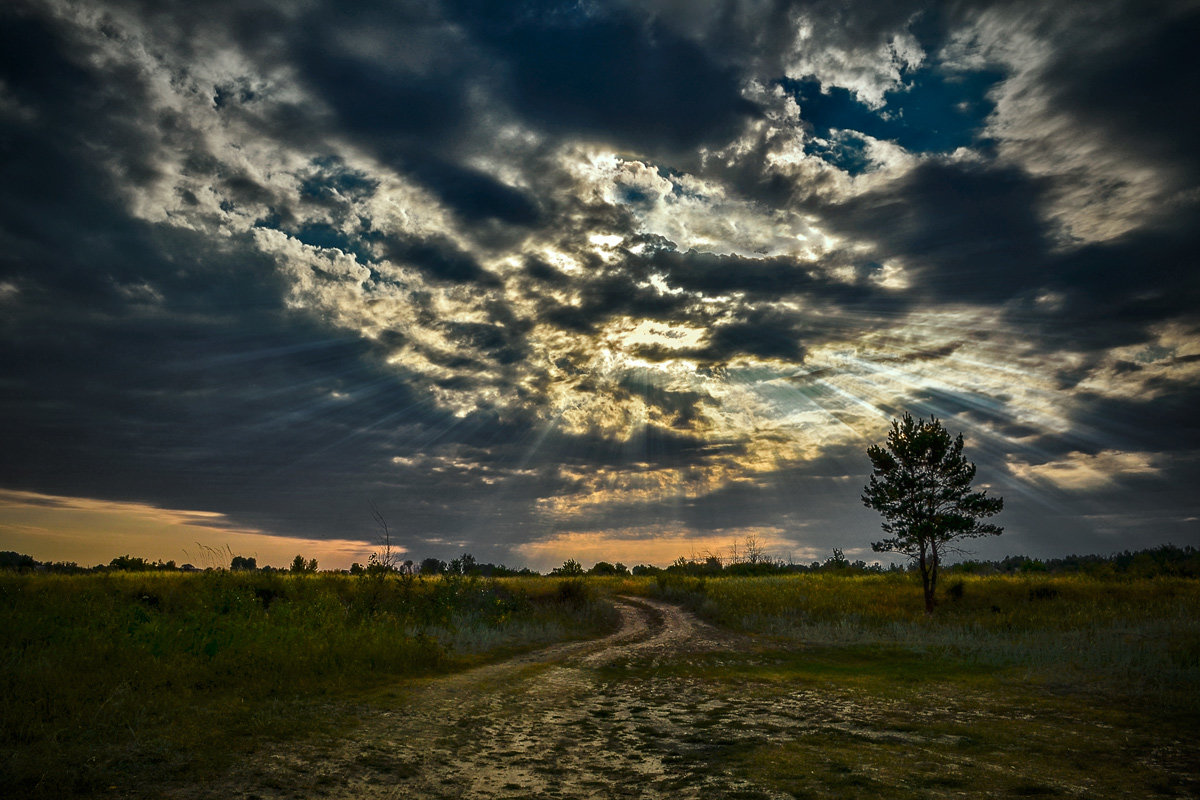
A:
{"x":346,"y":183}
{"x":631,"y":195}
{"x":329,"y":237}
{"x":846,"y":150}
{"x":935,"y":111}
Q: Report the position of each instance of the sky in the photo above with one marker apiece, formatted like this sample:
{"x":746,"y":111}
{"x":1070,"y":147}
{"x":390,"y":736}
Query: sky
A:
{"x":597,"y":280}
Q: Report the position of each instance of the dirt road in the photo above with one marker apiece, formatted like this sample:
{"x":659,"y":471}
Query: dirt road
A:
{"x":610,"y":718}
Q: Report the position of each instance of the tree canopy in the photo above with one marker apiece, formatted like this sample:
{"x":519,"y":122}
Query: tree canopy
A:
{"x":921,"y":485}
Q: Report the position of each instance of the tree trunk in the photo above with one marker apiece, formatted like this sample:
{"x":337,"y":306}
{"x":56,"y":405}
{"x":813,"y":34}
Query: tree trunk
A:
{"x":928,"y":580}
{"x":931,"y":584}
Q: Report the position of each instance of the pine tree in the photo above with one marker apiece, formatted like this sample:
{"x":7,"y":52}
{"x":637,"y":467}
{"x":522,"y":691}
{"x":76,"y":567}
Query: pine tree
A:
{"x":921,"y":484}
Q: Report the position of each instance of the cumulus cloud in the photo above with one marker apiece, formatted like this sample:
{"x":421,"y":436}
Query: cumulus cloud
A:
{"x":525,"y":273}
{"x":1082,"y":471}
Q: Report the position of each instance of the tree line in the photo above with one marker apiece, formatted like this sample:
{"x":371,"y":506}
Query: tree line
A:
{"x":1166,"y":560}
{"x":920,"y":484}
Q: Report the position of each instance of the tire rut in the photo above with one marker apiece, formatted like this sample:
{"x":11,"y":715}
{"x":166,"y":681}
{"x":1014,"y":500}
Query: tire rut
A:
{"x":562,"y":722}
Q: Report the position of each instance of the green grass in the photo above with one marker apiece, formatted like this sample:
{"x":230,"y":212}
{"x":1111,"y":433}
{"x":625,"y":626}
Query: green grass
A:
{"x":1022,"y":686}
{"x":1044,"y":686}
{"x":109,"y":679}
{"x":1139,"y":635}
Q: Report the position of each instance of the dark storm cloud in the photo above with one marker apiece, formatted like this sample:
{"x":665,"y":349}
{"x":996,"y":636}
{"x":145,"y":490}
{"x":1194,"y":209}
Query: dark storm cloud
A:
{"x":502,"y":343}
{"x":681,"y":407}
{"x":616,"y":294}
{"x":175,"y":361}
{"x":50,"y":172}
{"x":374,"y":97}
{"x":582,"y":70}
{"x":473,"y":194}
{"x":977,"y":232}
{"x":1166,"y":422}
{"x":973,"y":234}
{"x":540,"y":271}
{"x":970,"y":233}
{"x":397,"y":80}
{"x":715,"y":274}
{"x":1137,"y":90}
{"x":604,"y":295}
{"x":149,"y":363}
{"x":1133,"y":282}
{"x":766,"y":278}
{"x":439,"y":260}
{"x":762,"y":333}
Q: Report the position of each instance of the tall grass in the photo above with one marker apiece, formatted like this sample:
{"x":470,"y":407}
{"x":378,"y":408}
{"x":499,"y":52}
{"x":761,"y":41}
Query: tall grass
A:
{"x":108,"y":676}
{"x":1141,"y":635}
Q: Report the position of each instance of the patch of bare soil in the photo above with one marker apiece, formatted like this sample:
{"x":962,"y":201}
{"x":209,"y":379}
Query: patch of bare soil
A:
{"x":550,"y":724}
{"x":637,"y":714}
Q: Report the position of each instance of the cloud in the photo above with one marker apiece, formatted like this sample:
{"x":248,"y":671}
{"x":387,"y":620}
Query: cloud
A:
{"x":968,"y":233}
{"x":1081,"y":471}
{"x":1090,"y":103}
{"x":96,"y":531}
{"x":607,"y":74}
{"x":549,"y":271}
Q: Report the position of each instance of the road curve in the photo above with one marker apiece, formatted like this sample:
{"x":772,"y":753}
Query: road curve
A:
{"x":578,"y":720}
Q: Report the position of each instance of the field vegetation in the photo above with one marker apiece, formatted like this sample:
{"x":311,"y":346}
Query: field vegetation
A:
{"x":1139,"y":634}
{"x":1076,"y":677}
{"x":126,"y":678}
{"x":1020,"y":684}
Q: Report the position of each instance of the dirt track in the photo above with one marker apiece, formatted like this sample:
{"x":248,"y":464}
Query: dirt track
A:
{"x":559,"y":723}
{"x":669,"y":707}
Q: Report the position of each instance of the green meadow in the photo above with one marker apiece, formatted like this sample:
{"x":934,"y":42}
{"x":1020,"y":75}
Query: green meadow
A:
{"x":1141,"y":635}
{"x":1064,"y":685}
{"x":1019,"y":685}
{"x":147,"y":677}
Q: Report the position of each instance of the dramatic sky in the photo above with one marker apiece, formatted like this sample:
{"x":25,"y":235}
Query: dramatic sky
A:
{"x":621,"y":280}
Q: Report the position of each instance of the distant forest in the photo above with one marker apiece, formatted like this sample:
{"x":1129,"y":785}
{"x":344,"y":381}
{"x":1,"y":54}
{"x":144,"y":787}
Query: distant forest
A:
{"x":1166,"y":560}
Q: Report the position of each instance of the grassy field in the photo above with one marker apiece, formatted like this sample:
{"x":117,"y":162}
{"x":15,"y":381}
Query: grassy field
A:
{"x":1141,"y":636}
{"x":139,"y":678}
{"x":1017,"y":686}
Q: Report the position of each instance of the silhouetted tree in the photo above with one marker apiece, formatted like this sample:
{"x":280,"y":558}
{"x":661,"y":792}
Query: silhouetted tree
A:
{"x":837,"y":561}
{"x":463,"y":565}
{"x":131,"y":564}
{"x":606,"y":568}
{"x":569,"y":567}
{"x":752,"y":550}
{"x":239,"y":563}
{"x":921,"y":484}
{"x":433,"y":566}
{"x":18,"y":561}
{"x":300,"y":566}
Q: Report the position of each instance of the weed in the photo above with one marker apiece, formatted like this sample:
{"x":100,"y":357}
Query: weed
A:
{"x":108,"y":679}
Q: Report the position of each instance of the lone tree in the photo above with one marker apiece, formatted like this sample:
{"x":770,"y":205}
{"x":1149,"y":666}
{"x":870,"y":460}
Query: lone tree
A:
{"x":921,"y":484}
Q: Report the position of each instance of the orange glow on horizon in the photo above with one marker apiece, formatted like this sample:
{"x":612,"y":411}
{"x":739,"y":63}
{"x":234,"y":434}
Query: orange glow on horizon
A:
{"x":90,"y":532}
{"x":656,"y":547}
